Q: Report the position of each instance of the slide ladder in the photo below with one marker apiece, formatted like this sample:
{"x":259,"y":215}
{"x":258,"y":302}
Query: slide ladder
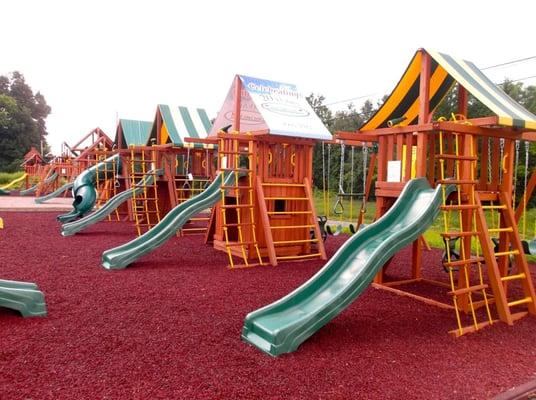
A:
{"x":290,"y":241}
{"x":502,"y":275}
{"x":47,"y":180}
{"x":145,"y":207}
{"x":237,"y":204}
{"x":106,"y":187}
{"x":468,"y":290}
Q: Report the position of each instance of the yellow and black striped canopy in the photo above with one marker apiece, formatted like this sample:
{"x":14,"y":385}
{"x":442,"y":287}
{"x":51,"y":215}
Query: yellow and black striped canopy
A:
{"x":445,"y":71}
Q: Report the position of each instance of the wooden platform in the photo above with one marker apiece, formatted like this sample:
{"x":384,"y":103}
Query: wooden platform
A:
{"x":27,"y":203}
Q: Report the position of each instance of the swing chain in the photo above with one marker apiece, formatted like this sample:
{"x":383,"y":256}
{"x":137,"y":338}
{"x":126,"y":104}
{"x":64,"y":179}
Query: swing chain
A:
{"x":516,"y":163}
{"x":365,"y":161}
{"x":341,"y":170}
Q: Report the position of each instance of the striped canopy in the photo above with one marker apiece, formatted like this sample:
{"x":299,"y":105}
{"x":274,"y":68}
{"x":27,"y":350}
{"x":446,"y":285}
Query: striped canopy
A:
{"x":181,"y":122}
{"x":444,"y":72}
{"x":134,"y":133}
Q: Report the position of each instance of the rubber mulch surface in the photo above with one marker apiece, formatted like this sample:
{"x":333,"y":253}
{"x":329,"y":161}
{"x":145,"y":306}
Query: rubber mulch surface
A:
{"x":169,"y":327}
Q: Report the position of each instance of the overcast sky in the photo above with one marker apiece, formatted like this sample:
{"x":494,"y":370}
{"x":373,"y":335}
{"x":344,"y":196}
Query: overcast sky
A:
{"x":96,"y":60}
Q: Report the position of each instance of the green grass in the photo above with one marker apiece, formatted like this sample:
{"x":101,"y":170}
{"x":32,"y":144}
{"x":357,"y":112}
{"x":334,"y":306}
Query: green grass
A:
{"x":6,"y":177}
{"x":432,"y":235}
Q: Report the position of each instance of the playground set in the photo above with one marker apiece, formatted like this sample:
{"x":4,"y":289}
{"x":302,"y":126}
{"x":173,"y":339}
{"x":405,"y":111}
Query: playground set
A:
{"x":157,"y":169}
{"x":47,"y":180}
{"x":261,"y":199}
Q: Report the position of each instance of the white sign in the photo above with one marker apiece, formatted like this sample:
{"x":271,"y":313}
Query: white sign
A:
{"x":394,"y":169}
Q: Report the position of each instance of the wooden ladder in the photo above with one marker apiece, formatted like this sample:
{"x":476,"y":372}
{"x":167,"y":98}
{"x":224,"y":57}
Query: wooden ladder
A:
{"x":500,"y":274}
{"x":292,"y":241}
{"x":145,"y":205}
{"x":186,"y":189}
{"x":241,"y":202}
{"x":468,"y":289}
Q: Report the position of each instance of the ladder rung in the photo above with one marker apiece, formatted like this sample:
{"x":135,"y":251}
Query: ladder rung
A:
{"x":500,"y":230}
{"x":193,"y":229}
{"x":200,"y":219}
{"x":521,"y":301}
{"x":455,"y":157}
{"x":288,"y":212}
{"x":296,"y":241}
{"x":286,"y":198}
{"x":458,"y":234}
{"x":498,"y":207}
{"x":235,"y":224}
{"x":239,"y":244}
{"x":459,"y":207}
{"x":464,"y":262}
{"x":512,"y":277}
{"x":507,"y":253}
{"x":236,"y":187}
{"x":458,"y":181}
{"x":298,"y":257}
{"x":237,"y":206}
{"x":459,"y":292}
{"x":291,"y":226}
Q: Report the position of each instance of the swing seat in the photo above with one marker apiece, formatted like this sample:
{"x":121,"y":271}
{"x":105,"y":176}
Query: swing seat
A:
{"x":321,"y":220}
{"x":529,"y":247}
{"x":332,"y":232}
{"x":350,"y":194}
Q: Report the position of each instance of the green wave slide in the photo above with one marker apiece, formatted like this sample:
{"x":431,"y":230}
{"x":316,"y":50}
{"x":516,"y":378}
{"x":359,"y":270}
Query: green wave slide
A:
{"x":70,"y":228}
{"x":23,"y":297}
{"x":55,"y":193}
{"x":121,"y":256}
{"x":33,"y":189}
{"x":282,"y":326}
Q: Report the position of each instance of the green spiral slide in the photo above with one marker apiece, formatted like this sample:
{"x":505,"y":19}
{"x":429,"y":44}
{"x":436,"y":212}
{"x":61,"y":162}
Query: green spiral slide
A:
{"x":70,"y":228}
{"x":282,"y":326}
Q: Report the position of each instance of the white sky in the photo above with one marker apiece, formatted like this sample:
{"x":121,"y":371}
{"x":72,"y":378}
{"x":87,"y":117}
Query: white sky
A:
{"x":96,"y":60}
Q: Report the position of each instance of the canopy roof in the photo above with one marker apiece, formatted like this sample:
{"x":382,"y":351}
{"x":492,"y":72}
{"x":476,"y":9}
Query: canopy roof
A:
{"x":272,"y":107}
{"x":179,"y":122}
{"x":444,"y":72}
{"x":131,"y":132}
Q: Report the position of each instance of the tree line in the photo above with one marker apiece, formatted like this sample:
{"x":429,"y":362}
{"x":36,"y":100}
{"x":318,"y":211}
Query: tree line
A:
{"x":351,"y":119}
{"x":23,"y":116}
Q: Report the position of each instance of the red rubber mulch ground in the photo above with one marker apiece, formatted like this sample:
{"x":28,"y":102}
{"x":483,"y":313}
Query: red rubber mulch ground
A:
{"x":169,"y":327}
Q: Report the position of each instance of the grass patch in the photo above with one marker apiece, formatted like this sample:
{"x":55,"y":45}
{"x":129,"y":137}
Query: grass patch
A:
{"x":527,"y":226}
{"x":7,"y":177}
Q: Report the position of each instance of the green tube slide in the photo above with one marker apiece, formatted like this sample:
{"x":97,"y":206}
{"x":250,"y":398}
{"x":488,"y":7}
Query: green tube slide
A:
{"x":282,"y":326}
{"x":70,"y":228}
{"x":84,"y":191}
{"x":23,"y":297}
{"x":33,"y":189}
{"x":55,"y":193}
{"x":121,"y":256}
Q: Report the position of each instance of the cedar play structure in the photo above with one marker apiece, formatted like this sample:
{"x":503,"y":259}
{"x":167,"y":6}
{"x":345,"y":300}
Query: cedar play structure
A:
{"x":268,"y":211}
{"x":159,"y":170}
{"x":470,"y":162}
{"x":262,"y":201}
{"x":56,"y":176}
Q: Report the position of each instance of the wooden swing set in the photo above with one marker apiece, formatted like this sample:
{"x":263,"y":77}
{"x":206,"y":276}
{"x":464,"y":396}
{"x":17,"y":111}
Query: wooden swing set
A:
{"x":475,"y":157}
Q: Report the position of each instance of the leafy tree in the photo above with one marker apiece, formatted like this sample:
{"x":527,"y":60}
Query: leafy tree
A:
{"x":22,"y":120}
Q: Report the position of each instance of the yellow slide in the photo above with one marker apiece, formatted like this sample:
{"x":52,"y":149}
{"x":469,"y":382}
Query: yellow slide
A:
{"x":13,"y":182}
